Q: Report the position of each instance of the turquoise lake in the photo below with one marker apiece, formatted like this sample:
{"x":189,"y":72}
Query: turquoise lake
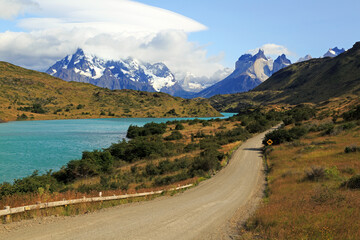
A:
{"x":44,"y":145}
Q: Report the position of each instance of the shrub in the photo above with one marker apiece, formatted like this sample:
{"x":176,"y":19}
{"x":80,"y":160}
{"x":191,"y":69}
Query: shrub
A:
{"x":175,"y":135}
{"x":151,"y":170}
{"x":160,"y":181}
{"x":179,"y":126}
{"x":278,"y":136}
{"x":147,"y":130}
{"x":22,"y":117}
{"x":353,"y":182}
{"x":315,"y":173}
{"x":353,"y":114}
{"x":351,"y":149}
{"x":80,"y":106}
{"x":302,"y":113}
{"x":256,"y":127}
{"x":191,"y":147}
{"x":37,"y":108}
{"x":298,"y":132}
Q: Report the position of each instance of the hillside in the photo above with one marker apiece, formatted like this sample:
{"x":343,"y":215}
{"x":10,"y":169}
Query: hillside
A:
{"x":313,"y":179}
{"x":312,"y":81}
{"x":27,"y":94}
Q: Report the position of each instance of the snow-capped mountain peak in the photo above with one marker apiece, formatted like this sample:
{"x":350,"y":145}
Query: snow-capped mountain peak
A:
{"x":306,"y":58}
{"x":333,"y":52}
{"x":129,"y":73}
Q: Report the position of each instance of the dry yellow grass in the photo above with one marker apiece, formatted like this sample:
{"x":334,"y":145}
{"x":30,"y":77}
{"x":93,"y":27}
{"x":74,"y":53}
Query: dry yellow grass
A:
{"x":297,"y":208}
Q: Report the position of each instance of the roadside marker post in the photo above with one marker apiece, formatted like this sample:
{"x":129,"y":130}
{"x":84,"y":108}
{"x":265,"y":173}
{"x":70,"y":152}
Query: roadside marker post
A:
{"x":7,"y":218}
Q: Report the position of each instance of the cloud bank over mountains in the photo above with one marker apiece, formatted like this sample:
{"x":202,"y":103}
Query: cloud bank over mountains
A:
{"x":271,"y":49}
{"x":111,"y":29}
{"x":12,"y":8}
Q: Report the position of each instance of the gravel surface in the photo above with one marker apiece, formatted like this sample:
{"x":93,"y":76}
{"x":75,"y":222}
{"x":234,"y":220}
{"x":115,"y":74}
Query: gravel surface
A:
{"x":211,"y":210}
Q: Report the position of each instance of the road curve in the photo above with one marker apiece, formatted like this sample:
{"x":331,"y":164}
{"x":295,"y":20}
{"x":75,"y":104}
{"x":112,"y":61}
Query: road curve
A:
{"x":203,"y":212}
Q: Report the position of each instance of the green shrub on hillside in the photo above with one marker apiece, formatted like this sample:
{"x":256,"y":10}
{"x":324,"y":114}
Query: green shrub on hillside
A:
{"x":353,"y":114}
{"x":175,"y":135}
{"x":147,"y":130}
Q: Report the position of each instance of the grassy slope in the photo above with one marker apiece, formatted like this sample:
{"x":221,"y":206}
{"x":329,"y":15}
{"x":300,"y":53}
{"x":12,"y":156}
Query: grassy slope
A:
{"x":312,"y":81}
{"x":20,"y":87}
{"x":298,"y":208}
{"x":138,"y":183}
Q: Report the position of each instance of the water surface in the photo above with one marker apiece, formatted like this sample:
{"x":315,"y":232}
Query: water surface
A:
{"x":43,"y":145}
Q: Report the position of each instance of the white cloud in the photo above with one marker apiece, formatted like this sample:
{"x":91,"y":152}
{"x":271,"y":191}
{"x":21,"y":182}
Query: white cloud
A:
{"x":12,"y":8}
{"x":193,"y":83}
{"x":111,"y":29}
{"x":271,"y":49}
{"x":108,"y":16}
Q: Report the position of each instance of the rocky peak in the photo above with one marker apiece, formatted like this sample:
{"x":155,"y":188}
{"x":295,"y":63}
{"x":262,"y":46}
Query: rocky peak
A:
{"x":122,"y":74}
{"x":260,"y":54}
{"x":333,"y":52}
{"x":306,"y":58}
{"x":280,"y":63}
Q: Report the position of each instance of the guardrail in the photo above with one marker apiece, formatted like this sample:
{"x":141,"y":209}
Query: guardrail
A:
{"x":8,"y":211}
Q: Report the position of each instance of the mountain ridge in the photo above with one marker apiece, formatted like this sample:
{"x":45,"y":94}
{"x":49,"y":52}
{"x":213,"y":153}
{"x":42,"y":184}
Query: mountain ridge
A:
{"x":31,"y":95}
{"x":313,"y":81}
{"x":126,"y":73}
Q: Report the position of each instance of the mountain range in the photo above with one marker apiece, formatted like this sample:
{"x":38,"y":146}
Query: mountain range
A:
{"x":311,"y":81}
{"x":250,"y":71}
{"x":122,"y":74}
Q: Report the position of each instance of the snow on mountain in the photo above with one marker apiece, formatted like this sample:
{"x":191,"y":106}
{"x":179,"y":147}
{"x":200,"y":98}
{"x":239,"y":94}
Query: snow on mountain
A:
{"x":193,"y":83}
{"x":333,"y":52}
{"x":123,"y":74}
{"x":306,"y":58}
{"x":250,"y":71}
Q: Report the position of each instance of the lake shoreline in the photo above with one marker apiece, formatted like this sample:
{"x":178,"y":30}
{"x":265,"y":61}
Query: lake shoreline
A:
{"x":49,"y":144}
{"x":110,"y":117}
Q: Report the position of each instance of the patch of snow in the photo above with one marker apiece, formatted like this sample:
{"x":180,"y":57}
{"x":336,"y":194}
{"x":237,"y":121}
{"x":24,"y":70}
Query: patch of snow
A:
{"x":112,"y":67}
{"x":160,"y":82}
{"x":76,"y":62}
{"x":124,"y":71}
{"x":195,"y":86}
{"x":99,"y":71}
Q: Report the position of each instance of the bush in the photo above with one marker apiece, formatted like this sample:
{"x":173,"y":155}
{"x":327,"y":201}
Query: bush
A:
{"x":179,"y":126}
{"x":22,"y":117}
{"x":351,"y":149}
{"x":302,"y":113}
{"x":281,"y":135}
{"x":80,"y":106}
{"x":315,"y":173}
{"x":256,"y":127}
{"x":191,"y":147}
{"x":151,"y":170}
{"x":161,"y":181}
{"x":175,"y":135}
{"x":353,"y":114}
{"x":147,"y":130}
{"x":353,"y":182}
{"x":278,"y":136}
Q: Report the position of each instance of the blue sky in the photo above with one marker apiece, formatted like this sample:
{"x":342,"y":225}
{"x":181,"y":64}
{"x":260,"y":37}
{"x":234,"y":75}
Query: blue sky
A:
{"x":198,"y":37}
{"x":304,"y":27}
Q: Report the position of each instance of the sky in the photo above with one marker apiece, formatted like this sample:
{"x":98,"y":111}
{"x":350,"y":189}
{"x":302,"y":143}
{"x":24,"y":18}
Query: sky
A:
{"x":201,"y":37}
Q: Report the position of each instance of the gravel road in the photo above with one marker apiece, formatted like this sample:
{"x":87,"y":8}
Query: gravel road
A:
{"x":210,"y":210}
